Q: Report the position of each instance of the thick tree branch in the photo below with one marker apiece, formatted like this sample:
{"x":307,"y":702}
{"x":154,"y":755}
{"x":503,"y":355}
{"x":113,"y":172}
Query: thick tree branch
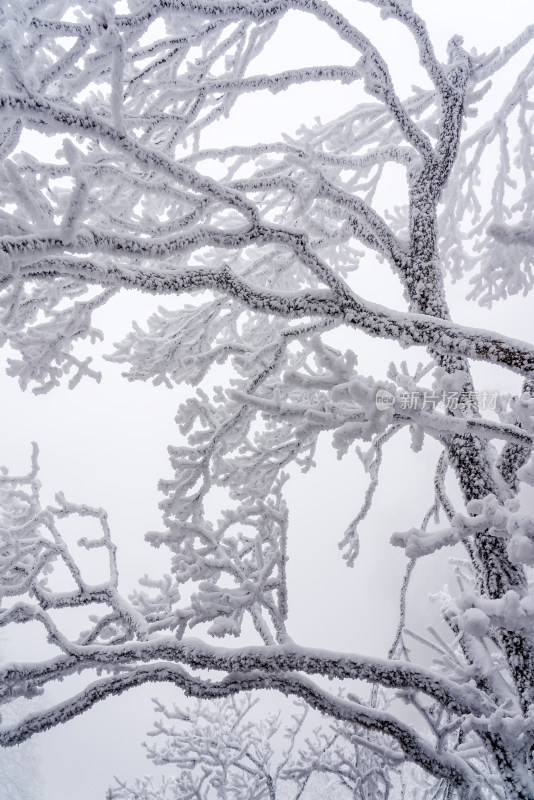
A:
{"x":444,"y":765}
{"x":442,"y":335}
{"x":287,"y":657}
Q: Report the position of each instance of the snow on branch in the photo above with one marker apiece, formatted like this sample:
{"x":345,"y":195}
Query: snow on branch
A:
{"x":488,"y":516}
{"x":444,"y":765}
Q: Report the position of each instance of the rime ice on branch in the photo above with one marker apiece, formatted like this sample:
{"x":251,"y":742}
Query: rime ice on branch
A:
{"x":223,"y":746}
{"x":269,"y":237}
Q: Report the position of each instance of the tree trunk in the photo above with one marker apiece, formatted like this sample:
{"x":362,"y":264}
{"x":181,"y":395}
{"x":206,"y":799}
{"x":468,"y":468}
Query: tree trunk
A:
{"x":468,"y":455}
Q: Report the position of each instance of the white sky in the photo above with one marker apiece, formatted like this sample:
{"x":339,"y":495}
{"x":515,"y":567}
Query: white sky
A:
{"x":105,"y":445}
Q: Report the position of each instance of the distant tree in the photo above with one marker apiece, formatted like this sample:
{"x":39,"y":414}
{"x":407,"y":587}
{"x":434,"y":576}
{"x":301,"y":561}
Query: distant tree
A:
{"x":20,"y":777}
{"x":19,"y":773}
{"x":219,"y":749}
{"x":272,"y":234}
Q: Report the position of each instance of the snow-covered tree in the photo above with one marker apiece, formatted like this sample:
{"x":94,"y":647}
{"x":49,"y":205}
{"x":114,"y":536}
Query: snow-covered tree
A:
{"x":268,"y":238}
{"x":20,"y":767}
{"x":19,"y":773}
{"x":229,"y":749}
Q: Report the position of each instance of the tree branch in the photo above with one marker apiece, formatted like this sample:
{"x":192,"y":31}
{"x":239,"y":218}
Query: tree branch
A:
{"x":273,"y":658}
